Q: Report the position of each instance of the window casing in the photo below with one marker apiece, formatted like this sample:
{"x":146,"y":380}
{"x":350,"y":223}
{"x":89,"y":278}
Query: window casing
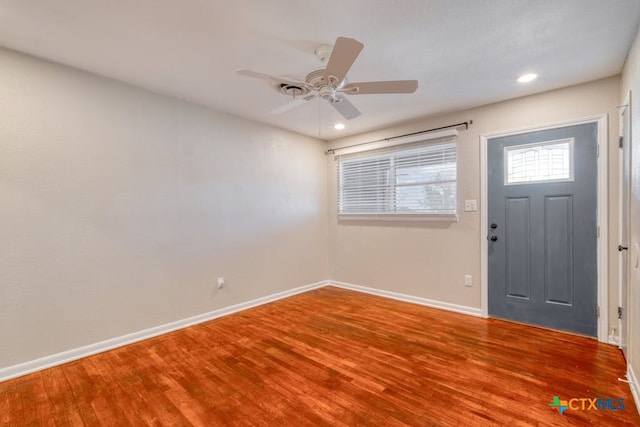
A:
{"x":413,"y":182}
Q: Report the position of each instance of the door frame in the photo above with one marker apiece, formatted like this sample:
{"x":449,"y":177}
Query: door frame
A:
{"x":623,"y":300}
{"x":602,"y":221}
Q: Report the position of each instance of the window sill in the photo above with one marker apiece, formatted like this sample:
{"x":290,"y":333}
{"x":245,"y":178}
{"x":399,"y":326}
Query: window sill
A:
{"x":399,"y":217}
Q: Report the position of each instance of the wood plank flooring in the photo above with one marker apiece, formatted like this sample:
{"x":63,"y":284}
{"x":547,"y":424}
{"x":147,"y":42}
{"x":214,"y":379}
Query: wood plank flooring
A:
{"x":331,"y":357}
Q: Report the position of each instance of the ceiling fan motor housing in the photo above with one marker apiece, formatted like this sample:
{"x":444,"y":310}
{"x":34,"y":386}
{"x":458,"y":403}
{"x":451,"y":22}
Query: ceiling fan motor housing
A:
{"x":317,"y":80}
{"x":317,"y":86}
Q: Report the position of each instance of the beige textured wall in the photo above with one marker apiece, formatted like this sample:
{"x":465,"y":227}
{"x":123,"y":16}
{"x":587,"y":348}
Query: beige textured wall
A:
{"x":429,"y":259}
{"x":631,"y":82}
{"x":120,"y":207}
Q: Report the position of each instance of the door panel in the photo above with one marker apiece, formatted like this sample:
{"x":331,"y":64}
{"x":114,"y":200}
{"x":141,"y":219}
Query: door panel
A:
{"x":542,"y":256}
{"x":558,"y":249}
{"x":517,"y":244}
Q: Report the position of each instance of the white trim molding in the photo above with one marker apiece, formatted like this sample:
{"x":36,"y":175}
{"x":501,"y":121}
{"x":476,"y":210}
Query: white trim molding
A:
{"x":110,"y":344}
{"x":623,"y":276}
{"x":463,"y":309}
{"x":399,"y":217}
{"x":613,"y":340}
{"x":634,"y":386}
{"x":603,"y":209}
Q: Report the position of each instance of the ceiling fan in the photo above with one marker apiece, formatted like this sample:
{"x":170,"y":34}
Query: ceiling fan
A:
{"x":330,"y":83}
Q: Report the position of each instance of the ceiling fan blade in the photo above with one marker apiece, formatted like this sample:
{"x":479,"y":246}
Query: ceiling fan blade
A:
{"x":389,"y":86}
{"x":344,"y":53}
{"x":345,"y":108}
{"x":274,"y":79}
{"x":289,"y":106}
{"x":255,"y":74}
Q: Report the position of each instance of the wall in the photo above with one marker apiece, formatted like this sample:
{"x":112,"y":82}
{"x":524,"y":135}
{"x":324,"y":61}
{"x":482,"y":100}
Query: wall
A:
{"x":429,"y":260}
{"x":631,"y":82}
{"x":120,"y":207}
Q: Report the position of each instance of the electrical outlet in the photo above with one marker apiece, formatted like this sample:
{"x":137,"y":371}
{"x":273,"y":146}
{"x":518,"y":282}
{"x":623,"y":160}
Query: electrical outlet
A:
{"x":468,"y":280}
{"x":220,"y":282}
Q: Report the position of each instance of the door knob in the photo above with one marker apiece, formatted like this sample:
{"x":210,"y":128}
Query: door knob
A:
{"x":493,"y":238}
{"x":622,"y":248}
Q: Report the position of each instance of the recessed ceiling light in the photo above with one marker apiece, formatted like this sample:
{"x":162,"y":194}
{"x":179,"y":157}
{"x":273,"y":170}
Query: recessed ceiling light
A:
{"x":338,"y":126}
{"x":526,"y":78}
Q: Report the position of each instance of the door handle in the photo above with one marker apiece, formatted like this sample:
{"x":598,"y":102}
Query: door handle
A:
{"x":493,"y":237}
{"x":622,"y":248}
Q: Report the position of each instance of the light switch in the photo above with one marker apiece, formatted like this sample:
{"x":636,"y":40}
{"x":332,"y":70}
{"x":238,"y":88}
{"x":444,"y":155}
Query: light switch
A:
{"x":470,"y":205}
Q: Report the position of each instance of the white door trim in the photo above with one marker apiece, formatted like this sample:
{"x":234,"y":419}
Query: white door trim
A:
{"x":626,"y":104}
{"x":603,"y":212}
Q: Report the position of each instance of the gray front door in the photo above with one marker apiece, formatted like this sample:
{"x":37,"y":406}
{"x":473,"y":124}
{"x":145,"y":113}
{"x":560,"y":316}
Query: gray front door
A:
{"x":542,"y":243}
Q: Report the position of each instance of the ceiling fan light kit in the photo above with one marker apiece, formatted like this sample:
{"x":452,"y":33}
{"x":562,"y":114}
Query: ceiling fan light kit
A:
{"x":331,"y":83}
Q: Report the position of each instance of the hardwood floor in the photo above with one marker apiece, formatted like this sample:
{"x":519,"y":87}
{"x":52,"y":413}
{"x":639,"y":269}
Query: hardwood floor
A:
{"x":331,"y":357}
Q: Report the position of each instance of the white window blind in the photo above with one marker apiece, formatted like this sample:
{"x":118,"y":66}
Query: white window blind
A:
{"x":404,"y":180}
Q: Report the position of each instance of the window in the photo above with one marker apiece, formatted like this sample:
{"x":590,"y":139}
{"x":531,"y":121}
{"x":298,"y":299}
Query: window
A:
{"x":409,"y":181}
{"x":544,"y":161}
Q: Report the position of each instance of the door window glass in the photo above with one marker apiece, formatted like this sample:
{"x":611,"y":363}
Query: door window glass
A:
{"x":540,"y":162}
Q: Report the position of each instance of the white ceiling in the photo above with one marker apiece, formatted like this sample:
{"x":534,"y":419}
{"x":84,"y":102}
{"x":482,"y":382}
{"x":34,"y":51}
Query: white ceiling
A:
{"x":464,"y":53}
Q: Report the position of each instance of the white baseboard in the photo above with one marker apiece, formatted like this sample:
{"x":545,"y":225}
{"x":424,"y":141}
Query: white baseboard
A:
{"x":471,"y":311}
{"x":633,"y":384}
{"x":110,"y":344}
{"x":613,"y":337}
{"x":99,"y":347}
